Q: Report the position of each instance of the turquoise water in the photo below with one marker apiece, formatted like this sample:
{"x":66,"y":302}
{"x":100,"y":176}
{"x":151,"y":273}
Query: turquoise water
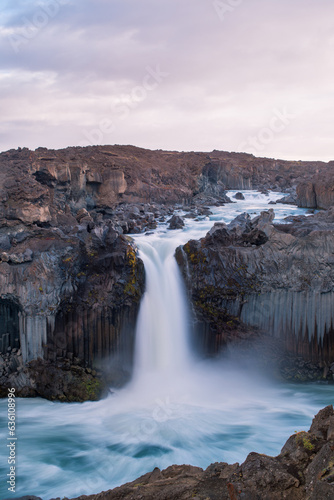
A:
{"x":212,"y":411}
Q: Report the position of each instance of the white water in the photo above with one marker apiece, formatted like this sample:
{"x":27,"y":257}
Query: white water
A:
{"x":162,"y":335}
{"x":175,"y":410}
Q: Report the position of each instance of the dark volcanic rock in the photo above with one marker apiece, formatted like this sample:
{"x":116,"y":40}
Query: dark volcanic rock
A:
{"x":304,"y":470}
{"x":176,"y":222}
{"x":257,"y":274}
{"x":290,"y":199}
{"x":69,"y":297}
{"x":239,"y":196}
{"x":317,"y":192}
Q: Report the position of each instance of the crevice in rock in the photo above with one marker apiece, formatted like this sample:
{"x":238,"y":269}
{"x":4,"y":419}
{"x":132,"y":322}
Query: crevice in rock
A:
{"x":9,"y":325}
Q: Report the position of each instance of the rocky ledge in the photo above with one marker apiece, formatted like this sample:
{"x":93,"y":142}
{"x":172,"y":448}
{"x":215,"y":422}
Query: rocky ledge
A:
{"x":253,"y":276}
{"x":304,"y":470}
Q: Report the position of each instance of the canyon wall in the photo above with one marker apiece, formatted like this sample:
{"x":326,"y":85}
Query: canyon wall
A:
{"x":276,"y":278}
{"x":45,"y":186}
{"x":69,"y":295}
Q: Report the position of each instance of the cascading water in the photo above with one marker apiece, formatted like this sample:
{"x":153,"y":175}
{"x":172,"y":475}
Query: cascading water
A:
{"x":162,"y":342}
{"x":176,"y":409}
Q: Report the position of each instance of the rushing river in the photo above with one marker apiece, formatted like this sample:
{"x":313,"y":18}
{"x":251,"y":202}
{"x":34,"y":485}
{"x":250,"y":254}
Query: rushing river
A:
{"x":176,"y":409}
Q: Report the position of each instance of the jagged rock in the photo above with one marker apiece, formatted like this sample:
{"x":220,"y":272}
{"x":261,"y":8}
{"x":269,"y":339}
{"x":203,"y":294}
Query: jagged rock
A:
{"x":5,"y":244}
{"x":241,"y":224}
{"x":68,"y":269}
{"x":4,"y":257}
{"x":267,"y":276}
{"x":290,"y":199}
{"x":176,"y":222}
{"x":83,"y":214}
{"x":318,"y":192}
{"x":304,"y":470}
{"x":72,"y":294}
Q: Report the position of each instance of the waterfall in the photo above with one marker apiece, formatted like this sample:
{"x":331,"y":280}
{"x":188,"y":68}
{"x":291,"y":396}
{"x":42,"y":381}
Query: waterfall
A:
{"x":162,"y":334}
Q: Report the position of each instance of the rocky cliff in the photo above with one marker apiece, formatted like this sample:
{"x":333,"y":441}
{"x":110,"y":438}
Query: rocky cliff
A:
{"x":276,"y":278}
{"x":69,"y":296}
{"x":42,"y":186}
{"x":318,"y":192}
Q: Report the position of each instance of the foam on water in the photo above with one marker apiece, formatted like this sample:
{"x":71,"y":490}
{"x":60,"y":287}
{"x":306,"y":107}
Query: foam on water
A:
{"x":176,"y":409}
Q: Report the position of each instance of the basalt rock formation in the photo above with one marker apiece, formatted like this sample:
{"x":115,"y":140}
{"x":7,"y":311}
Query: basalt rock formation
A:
{"x":317,"y":192}
{"x":70,"y":280}
{"x":277,"y":278}
{"x":69,"y":300}
{"x":304,"y":470}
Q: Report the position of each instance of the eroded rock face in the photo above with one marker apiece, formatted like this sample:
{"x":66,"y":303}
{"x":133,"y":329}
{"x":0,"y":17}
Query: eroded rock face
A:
{"x":278,"y":278}
{"x":318,"y":191}
{"x":73,"y":299}
{"x":304,"y":470}
{"x":44,"y":186}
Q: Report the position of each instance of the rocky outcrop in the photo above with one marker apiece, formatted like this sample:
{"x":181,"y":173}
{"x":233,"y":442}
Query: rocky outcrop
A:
{"x":318,"y":192}
{"x":73,"y":299}
{"x":304,"y":470}
{"x":176,"y":222}
{"x":277,"y":278}
{"x":65,"y":380}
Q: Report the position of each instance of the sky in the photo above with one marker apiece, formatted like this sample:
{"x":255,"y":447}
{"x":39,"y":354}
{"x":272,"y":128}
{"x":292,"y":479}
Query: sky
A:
{"x":253,"y":76}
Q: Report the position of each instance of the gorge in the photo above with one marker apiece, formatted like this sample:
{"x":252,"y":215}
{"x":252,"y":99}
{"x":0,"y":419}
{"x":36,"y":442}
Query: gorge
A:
{"x":73,"y":289}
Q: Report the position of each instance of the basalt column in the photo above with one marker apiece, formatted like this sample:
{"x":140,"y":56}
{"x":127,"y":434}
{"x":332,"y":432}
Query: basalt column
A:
{"x":9,"y":325}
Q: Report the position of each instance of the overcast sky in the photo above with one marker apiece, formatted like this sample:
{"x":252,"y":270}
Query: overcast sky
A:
{"x":234,"y":75}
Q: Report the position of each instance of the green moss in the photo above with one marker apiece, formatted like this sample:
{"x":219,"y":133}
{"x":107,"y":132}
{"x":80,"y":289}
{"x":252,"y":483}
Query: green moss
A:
{"x":131,"y":287}
{"x":93,"y":387}
{"x":196,"y":256}
{"x":68,"y":260}
{"x":303,"y":439}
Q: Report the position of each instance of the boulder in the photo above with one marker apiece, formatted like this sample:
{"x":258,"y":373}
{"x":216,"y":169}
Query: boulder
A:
{"x":176,"y":222}
{"x":239,"y":196}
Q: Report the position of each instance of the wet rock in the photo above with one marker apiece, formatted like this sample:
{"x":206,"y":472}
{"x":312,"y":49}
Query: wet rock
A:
{"x":241,"y":224}
{"x":290,"y":199}
{"x":4,"y":257}
{"x":176,"y":222}
{"x":239,"y":196}
{"x":5,"y":243}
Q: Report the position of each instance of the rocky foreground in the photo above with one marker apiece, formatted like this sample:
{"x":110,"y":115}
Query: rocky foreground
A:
{"x":304,"y":470}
